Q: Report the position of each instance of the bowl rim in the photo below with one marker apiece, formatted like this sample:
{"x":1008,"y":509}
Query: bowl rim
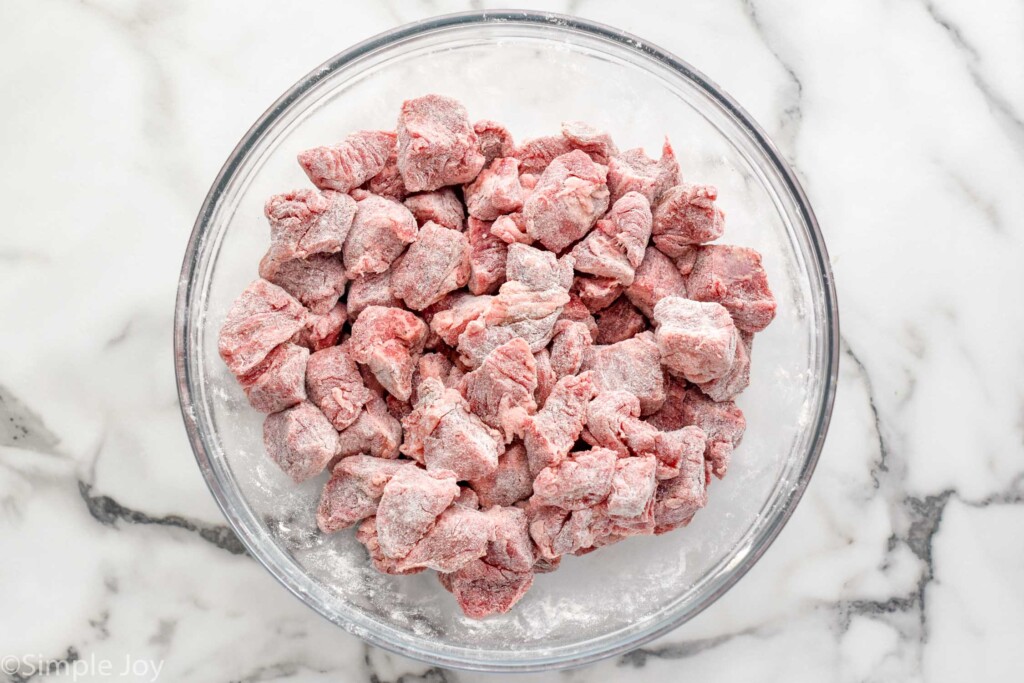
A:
{"x":819,"y":253}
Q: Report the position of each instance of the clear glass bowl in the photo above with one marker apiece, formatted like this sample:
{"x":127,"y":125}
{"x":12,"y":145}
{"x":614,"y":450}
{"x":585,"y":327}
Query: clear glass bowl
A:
{"x":530,"y":71}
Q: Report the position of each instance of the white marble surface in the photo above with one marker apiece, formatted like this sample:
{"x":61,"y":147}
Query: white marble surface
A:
{"x":905,"y":120}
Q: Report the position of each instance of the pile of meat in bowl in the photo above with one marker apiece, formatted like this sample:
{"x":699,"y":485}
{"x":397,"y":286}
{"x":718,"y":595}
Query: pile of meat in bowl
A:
{"x":501,"y":353}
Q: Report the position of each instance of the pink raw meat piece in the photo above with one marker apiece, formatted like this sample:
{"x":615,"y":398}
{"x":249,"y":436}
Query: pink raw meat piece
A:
{"x":335,"y":385}
{"x":278,"y":381}
{"x":723,"y":422}
{"x":732,"y":383}
{"x":317,"y":281}
{"x":510,"y":546}
{"x":612,"y":418}
{"x":509,"y":483}
{"x":366,"y":534}
{"x":580,"y":481}
{"x":467,"y":498}
{"x":558,"y":532}
{"x":686,"y":259}
{"x":511,"y":229}
{"x":322,"y":331}
{"x":632,"y":365}
{"x":300,"y":440}
{"x":459,"y":536}
{"x":441,"y":206}
{"x":632,"y":489}
{"x":687,"y":215}
{"x":494,"y":140}
{"x":544,"y":565}
{"x":409,"y":506}
{"x":671,"y":415}
{"x":734,"y":277}
{"x":488,"y":256}
{"x":538,"y":270}
{"x":569,"y":346}
{"x":552,"y":432}
{"x":696,"y":340}
{"x":433,"y":402}
{"x":354,"y":490}
{"x":350,"y":163}
{"x":634,"y":171}
{"x":375,"y":431}
{"x":570,"y":196}
{"x":436,"y":263}
{"x":656,"y":278}
{"x":536,"y":154}
{"x":436,"y":144}
{"x":597,"y":293}
{"x":671,"y":448}
{"x":398,"y":409}
{"x":598,"y":144}
{"x":381,"y":229}
{"x":677,"y":499}
{"x":546,"y":378}
{"x":576,"y":311}
{"x":619,"y":322}
{"x":263,"y":316}
{"x":501,"y":390}
{"x":387,"y":340}
{"x":371,"y":290}
{"x":432,"y":365}
{"x":450,"y":316}
{"x":496,"y":191}
{"x":615,"y":248}
{"x":388,"y":183}
{"x":303,"y":223}
{"x":482,"y":590}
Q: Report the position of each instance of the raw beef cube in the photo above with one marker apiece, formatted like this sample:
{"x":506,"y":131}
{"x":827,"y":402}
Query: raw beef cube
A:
{"x":570,"y":345}
{"x":597,"y":293}
{"x":734,"y":277}
{"x":263,"y":316}
{"x":381,"y":229}
{"x":696,"y":340}
{"x":322,"y":331}
{"x":366,"y":534}
{"x":388,"y":183}
{"x":544,"y":565}
{"x":551,"y":434}
{"x":350,"y":163}
{"x":619,"y":322}
{"x":508,"y":484}
{"x":656,"y":278}
{"x":303,"y":223}
{"x":511,"y":229}
{"x":633,"y":487}
{"x":387,"y":340}
{"x":463,"y":444}
{"x":546,"y":377}
{"x":496,"y":191}
{"x":442,"y":207}
{"x":459,"y":536}
{"x":436,"y":263}
{"x":538,"y":270}
{"x":355,"y":488}
{"x":732,"y":383}
{"x":536,"y":154}
{"x":467,"y":498}
{"x":300,"y":440}
{"x":278,"y":382}
{"x":335,"y":385}
{"x":488,"y":255}
{"x":610,"y":418}
{"x":596,"y":143}
{"x":410,"y":504}
{"x":580,"y":481}
{"x":433,"y":365}
{"x":375,"y":431}
{"x":677,"y":499}
{"x":633,"y":365}
{"x":615,"y":248}
{"x":510,"y":547}
{"x":450,"y":317}
{"x":482,"y":590}
{"x":371,"y":290}
{"x":576,"y":311}
{"x":723,"y":422}
{"x":634,"y":171}
{"x":436,"y":144}
{"x":558,"y":532}
{"x":686,"y":259}
{"x":433,"y":402}
{"x":672,"y":449}
{"x":671,"y":415}
{"x":494,"y":140}
{"x":501,"y":390}
{"x":686,"y":215}
{"x":570,"y":196}
{"x":317,"y":281}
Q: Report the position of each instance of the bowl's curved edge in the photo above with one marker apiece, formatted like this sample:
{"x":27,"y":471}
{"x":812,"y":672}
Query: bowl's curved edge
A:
{"x":186,"y":291}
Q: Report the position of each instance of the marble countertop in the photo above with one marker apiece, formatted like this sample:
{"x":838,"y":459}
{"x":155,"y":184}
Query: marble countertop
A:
{"x":905,"y":120}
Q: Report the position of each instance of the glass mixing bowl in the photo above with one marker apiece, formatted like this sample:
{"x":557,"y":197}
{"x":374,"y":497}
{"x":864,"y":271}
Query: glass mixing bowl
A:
{"x":529,"y":71}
